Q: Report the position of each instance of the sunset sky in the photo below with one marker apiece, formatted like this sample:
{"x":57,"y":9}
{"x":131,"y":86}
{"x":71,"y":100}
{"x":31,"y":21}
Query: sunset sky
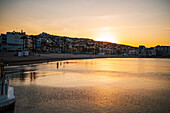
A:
{"x":131,"y":22}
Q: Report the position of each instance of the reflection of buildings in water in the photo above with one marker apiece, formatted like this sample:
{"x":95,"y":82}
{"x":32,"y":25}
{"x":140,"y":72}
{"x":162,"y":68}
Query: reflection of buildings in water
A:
{"x":22,"y":75}
{"x":21,"y":72}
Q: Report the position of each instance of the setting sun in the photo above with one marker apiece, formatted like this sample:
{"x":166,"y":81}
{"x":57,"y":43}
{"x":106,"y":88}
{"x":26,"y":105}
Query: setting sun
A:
{"x":106,"y":36}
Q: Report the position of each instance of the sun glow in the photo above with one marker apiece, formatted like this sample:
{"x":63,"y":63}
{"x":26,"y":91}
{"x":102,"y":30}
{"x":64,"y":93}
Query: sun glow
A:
{"x":106,"y":36}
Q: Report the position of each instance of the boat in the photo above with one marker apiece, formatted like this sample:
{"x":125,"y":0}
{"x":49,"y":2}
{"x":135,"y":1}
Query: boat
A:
{"x":7,"y":98}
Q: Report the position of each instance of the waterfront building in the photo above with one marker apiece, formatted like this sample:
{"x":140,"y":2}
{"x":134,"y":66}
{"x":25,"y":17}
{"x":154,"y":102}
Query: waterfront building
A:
{"x":105,"y":51}
{"x":45,"y":42}
{"x":12,"y":41}
{"x":168,"y":54}
{"x":38,"y":44}
{"x":141,"y":49}
{"x":3,"y":42}
{"x":132,"y":52}
{"x":162,"y":50}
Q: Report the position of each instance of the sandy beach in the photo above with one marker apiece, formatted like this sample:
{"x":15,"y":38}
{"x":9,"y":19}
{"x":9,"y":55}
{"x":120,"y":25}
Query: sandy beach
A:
{"x":10,"y":59}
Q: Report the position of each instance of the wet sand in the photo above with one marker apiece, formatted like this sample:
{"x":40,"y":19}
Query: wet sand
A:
{"x":88,"y":99}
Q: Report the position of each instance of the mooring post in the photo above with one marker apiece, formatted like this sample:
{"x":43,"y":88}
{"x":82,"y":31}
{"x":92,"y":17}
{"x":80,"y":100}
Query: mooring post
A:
{"x":2,"y":76}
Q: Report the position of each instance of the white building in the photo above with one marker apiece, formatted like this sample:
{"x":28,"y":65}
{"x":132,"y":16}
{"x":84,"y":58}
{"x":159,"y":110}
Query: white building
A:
{"x":11,"y":41}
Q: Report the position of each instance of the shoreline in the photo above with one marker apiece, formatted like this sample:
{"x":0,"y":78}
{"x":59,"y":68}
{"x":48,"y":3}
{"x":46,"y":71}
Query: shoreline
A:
{"x":40,"y":58}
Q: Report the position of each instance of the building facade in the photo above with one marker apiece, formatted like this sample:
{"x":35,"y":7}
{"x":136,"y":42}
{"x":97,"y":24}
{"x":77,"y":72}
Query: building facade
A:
{"x":12,"y":41}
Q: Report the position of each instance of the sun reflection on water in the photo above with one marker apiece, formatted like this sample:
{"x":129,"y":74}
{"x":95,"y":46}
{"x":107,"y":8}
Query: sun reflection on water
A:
{"x":94,"y":85}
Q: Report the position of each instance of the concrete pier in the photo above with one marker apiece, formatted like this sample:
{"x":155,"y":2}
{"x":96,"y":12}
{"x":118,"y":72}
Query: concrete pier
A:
{"x":8,"y":100}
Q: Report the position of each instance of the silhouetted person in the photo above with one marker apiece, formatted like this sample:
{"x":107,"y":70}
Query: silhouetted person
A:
{"x":34,"y":75}
{"x":57,"y":65}
{"x":22,"y":75}
{"x":31,"y":77}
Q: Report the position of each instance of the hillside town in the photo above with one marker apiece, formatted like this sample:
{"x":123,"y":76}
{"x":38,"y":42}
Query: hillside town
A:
{"x":22,"y":44}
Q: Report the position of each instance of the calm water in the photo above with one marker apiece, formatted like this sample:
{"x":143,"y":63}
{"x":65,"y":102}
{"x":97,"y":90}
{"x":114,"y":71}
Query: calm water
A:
{"x":93,"y":85}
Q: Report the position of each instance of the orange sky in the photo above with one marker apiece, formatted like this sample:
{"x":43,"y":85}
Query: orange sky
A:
{"x":131,"y":22}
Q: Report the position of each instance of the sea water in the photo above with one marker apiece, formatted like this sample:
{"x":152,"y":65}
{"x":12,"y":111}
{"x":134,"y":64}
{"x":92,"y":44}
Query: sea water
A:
{"x":92,"y":85}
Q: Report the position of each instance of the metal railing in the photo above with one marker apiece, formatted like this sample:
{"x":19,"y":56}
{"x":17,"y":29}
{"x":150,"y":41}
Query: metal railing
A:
{"x":4,"y":82}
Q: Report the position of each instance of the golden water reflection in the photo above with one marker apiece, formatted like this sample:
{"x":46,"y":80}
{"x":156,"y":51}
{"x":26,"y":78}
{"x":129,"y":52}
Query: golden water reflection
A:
{"x":117,"y":72}
{"x":93,"y":85}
